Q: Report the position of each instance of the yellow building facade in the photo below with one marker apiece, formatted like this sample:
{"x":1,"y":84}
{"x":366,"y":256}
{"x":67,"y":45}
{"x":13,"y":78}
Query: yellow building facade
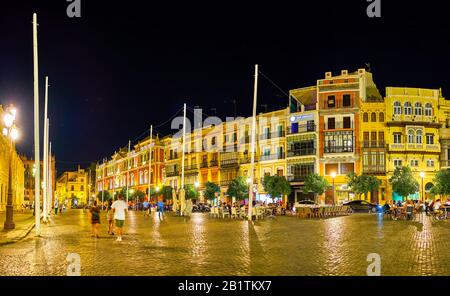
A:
{"x":72,"y":188}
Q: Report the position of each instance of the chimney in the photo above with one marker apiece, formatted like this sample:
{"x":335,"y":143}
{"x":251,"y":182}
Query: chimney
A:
{"x":344,"y":72}
{"x":328,"y":75}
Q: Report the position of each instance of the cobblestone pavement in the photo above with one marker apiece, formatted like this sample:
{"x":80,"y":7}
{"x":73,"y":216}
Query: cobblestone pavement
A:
{"x":24,"y":221}
{"x":205,"y":246}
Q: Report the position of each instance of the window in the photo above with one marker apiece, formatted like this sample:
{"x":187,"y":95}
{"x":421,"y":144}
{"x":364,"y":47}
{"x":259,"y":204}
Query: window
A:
{"x":397,"y":162}
{"x":213,"y":141}
{"x":430,"y":163}
{"x":381,"y":157}
{"x":381,"y":117}
{"x":381,"y":139}
{"x":410,"y":136}
{"x":331,"y":102}
{"x":347,"y":122}
{"x":347,"y":168}
{"x":430,"y":139}
{"x":419,"y":137}
{"x":365,"y":117}
{"x":72,"y":188}
{"x":418,"y":109}
{"x":373,"y":117}
{"x":428,"y":109}
{"x":408,"y":108}
{"x":397,"y":108}
{"x":266,"y":151}
{"x":346,"y":101}
{"x":331,"y":123}
{"x":331,"y":168}
{"x":414,"y":163}
{"x":397,"y":138}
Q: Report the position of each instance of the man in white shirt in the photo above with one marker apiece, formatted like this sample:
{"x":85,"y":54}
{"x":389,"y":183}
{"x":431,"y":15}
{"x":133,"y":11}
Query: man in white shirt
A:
{"x":119,"y":207}
{"x":437,"y":208}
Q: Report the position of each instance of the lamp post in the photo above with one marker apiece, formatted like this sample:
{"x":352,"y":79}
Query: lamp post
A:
{"x":12,"y":133}
{"x":333,"y":175}
{"x":422,"y":175}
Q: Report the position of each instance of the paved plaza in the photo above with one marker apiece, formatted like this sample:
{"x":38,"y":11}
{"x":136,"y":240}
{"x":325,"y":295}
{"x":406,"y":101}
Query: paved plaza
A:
{"x":206,"y":246}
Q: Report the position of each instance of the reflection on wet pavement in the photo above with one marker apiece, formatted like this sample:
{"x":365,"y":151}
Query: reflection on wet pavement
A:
{"x":204,"y":246}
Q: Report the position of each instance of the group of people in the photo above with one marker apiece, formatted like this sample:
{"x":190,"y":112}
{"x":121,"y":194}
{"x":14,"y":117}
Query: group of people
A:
{"x":396,"y":209}
{"x":116,"y":213}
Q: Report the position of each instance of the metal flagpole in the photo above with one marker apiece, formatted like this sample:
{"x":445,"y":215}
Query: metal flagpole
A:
{"x":252,"y":149}
{"x":45,"y":174}
{"x":103,"y":182}
{"x":49,"y":178}
{"x":182,"y":192}
{"x":150,"y":164}
{"x":128,"y":167}
{"x":37,"y":181}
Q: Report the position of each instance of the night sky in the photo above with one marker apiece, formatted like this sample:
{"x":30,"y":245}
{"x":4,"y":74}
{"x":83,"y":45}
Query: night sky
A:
{"x":125,"y":65}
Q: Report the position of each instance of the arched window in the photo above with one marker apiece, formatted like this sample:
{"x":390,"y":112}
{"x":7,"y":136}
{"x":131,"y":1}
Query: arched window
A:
{"x":410,"y":136}
{"x":141,"y":177}
{"x":365,"y":117}
{"x":373,"y":117}
{"x":381,"y":117}
{"x":132,"y":180}
{"x":418,"y":109}
{"x":419,"y":137}
{"x":407,"y":108}
{"x":397,"y":108}
{"x":146,"y":177}
{"x":428,"y":109}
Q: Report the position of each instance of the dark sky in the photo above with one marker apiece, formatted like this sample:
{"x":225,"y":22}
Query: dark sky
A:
{"x":125,"y":65}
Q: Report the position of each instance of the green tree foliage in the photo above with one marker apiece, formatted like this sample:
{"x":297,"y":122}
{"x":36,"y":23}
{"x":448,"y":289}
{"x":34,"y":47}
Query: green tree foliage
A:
{"x":441,"y":183}
{"x":316,"y":184}
{"x":137,"y":194}
{"x":363,"y":184}
{"x":210,"y":190}
{"x":238,"y":188}
{"x":106,"y":196}
{"x":166,"y":192}
{"x":276,"y":186}
{"x":403,"y":182}
{"x":191,"y":192}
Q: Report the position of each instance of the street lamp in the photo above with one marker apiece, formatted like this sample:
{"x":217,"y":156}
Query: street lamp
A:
{"x":12,"y":133}
{"x":333,"y":175}
{"x":196,"y":184}
{"x":422,"y":175}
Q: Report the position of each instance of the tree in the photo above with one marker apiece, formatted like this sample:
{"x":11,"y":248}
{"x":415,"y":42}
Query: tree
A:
{"x":276,"y":186}
{"x":238,"y":188}
{"x":211,"y":189}
{"x":139,"y":195}
{"x":441,"y":183}
{"x":106,"y":196}
{"x":363,"y":184}
{"x":166,"y":192}
{"x":316,"y":184}
{"x":191,"y":192}
{"x":403,"y":182}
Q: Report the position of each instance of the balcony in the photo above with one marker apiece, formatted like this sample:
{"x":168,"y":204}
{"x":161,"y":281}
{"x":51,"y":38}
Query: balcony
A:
{"x":229,"y":162}
{"x":338,"y":125}
{"x":172,"y":173}
{"x":245,"y":140}
{"x":272,"y":157}
{"x":230,"y":148}
{"x":204,"y":164}
{"x":247,"y":159}
{"x":433,"y":147}
{"x":373,"y":144}
{"x":225,"y":182}
{"x":300,"y":129}
{"x":445,"y":164}
{"x":297,"y":178}
{"x":192,"y":167}
{"x":374,"y":169}
{"x":274,"y":135}
{"x":213,"y":163}
{"x":338,"y":149}
{"x":396,"y":146}
{"x":301,"y":152}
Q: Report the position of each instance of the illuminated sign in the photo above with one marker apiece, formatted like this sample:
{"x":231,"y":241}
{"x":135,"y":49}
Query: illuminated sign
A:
{"x":295,"y":118}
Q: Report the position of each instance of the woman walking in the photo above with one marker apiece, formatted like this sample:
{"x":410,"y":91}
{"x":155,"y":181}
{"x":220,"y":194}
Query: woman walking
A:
{"x":110,"y":216}
{"x":95,"y":219}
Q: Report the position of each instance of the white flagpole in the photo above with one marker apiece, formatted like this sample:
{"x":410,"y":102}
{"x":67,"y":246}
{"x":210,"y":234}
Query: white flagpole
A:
{"x":37,"y":181}
{"x":183,"y":148}
{"x":252,"y":149}
{"x":45,"y":172}
{"x":150,"y":164}
{"x":49,"y":178}
{"x":128,"y":167}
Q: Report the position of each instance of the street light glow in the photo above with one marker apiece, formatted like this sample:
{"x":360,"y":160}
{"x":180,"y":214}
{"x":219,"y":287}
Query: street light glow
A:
{"x":8,"y":119}
{"x":157,"y":188}
{"x":333,"y":175}
{"x":196,"y":184}
{"x":14,"y":134}
{"x":422,"y":174}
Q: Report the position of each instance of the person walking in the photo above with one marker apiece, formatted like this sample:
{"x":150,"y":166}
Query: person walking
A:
{"x":110,"y":217}
{"x":161,"y":209}
{"x":55,"y":206}
{"x":95,"y":219}
{"x":119,"y":207}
